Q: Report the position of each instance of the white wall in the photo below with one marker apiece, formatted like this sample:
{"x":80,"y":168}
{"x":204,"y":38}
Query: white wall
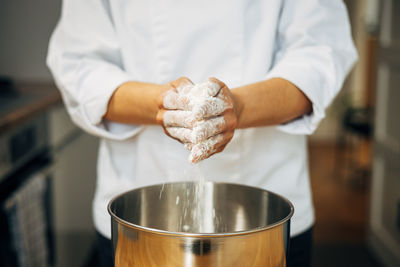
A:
{"x":25,"y":28}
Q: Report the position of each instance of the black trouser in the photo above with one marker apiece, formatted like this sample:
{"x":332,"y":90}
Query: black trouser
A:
{"x":300,"y":248}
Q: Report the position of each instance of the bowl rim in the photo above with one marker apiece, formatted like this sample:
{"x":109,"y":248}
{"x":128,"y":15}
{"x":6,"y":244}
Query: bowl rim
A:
{"x":189,"y":234}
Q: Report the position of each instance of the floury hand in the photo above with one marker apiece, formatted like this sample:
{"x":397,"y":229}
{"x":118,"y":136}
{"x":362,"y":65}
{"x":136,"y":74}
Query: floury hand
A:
{"x":201,"y":116}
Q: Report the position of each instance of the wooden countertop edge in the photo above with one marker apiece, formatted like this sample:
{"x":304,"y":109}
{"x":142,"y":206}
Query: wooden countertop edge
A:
{"x":45,"y":98}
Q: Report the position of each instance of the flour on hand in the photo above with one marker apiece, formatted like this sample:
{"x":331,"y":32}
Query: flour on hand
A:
{"x":179,"y":118}
{"x":204,"y":149}
{"x":182,"y":134}
{"x":207,"y":128}
{"x":194,"y":117}
{"x":173,"y":100}
{"x":201,"y":131}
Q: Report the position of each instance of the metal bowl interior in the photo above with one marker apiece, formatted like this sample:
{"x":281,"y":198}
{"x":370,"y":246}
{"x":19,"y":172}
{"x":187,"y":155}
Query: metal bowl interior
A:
{"x":200,"y":208}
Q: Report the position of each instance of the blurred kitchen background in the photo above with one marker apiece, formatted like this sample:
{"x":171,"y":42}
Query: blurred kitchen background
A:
{"x":48,"y":165}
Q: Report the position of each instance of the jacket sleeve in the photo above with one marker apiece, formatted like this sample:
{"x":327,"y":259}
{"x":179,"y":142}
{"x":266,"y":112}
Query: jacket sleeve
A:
{"x":315,"y":52}
{"x":84,"y":58}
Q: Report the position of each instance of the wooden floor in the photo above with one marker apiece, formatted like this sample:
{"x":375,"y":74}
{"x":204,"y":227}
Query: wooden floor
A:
{"x":340,"y":197}
{"x":341,"y":200}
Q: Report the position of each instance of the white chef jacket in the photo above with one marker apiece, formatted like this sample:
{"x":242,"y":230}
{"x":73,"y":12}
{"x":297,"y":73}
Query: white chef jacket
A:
{"x":98,"y":45}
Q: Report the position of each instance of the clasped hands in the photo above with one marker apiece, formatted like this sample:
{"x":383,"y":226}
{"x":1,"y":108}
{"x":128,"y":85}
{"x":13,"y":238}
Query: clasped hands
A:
{"x":200,"y":116}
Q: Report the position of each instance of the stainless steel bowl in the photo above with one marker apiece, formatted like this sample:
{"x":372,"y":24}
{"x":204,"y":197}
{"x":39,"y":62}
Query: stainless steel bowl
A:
{"x":200,"y":224}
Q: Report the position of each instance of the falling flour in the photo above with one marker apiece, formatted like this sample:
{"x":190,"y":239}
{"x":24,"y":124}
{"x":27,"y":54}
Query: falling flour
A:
{"x":197,"y":207}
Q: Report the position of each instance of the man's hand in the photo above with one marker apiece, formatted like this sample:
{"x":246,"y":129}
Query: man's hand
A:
{"x":217,"y":125}
{"x":200,"y":116}
{"x":174,"y":109}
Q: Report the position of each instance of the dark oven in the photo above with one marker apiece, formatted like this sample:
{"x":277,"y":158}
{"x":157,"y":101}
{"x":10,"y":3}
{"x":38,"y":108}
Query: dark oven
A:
{"x":25,"y":191}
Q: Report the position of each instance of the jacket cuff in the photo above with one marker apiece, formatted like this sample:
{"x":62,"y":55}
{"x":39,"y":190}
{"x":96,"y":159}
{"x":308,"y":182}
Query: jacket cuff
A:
{"x":312,"y":86}
{"x":103,"y":84}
